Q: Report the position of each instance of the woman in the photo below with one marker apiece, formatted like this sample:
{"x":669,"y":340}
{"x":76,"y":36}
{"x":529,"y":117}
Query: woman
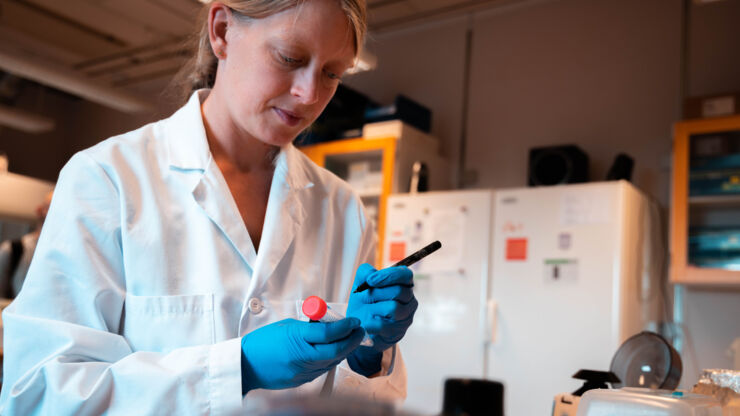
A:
{"x":174,"y":256}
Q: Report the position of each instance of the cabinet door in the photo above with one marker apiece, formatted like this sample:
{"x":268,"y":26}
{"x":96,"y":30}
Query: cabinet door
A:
{"x":705,"y":211}
{"x":367,"y":165}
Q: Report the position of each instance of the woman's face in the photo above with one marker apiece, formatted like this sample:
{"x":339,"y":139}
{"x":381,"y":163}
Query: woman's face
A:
{"x":278,"y":73}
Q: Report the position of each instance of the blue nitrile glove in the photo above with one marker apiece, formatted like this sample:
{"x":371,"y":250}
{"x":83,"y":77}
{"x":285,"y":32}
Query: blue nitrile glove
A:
{"x":386,"y":311}
{"x":289,"y":353}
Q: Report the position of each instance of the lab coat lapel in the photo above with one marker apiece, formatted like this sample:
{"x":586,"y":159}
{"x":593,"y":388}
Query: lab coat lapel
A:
{"x":285,"y":212}
{"x":212,"y":194}
{"x":192,"y":164}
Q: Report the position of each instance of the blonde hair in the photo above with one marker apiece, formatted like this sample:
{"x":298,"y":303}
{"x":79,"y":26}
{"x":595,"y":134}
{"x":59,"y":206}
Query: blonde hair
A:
{"x":200,"y":70}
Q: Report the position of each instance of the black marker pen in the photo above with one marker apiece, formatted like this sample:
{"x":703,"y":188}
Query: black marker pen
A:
{"x":408,"y":261}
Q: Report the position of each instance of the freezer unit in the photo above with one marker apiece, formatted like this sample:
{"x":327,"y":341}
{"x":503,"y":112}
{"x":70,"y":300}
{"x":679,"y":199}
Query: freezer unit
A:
{"x":447,"y":338}
{"x":530,"y":285}
{"x":575,"y":273}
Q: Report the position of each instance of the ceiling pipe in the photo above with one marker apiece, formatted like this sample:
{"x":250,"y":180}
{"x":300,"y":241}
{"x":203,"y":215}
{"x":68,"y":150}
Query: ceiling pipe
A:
{"x":25,"y":121}
{"x":71,"y":82}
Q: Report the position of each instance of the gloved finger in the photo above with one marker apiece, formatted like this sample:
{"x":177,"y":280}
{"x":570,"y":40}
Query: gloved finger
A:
{"x":402,"y":294}
{"x":339,"y":349}
{"x":393,"y":310}
{"x":328,"y":332}
{"x":394,"y":332}
{"x":399,"y":275}
{"x":387,"y":330}
{"x":363,"y":272}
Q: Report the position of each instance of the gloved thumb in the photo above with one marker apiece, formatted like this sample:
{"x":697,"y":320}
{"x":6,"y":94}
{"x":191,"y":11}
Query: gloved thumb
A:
{"x":328,"y":332}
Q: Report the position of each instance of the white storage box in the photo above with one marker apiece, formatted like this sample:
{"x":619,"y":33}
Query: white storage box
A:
{"x":645,"y":402}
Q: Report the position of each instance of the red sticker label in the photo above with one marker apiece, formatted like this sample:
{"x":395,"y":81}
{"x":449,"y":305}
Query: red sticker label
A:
{"x":397,"y":251}
{"x":516,"y":249}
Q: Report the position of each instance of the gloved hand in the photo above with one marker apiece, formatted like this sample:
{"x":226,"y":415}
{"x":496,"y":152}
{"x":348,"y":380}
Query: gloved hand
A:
{"x":386,"y":311}
{"x":289,"y":353}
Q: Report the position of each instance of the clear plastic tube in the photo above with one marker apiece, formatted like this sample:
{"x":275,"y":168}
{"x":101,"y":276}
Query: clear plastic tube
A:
{"x":316,"y":309}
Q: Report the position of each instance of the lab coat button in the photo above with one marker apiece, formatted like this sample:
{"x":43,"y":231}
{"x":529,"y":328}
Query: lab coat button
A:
{"x":255,"y":305}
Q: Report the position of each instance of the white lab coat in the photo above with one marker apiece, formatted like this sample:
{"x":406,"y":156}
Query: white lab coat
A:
{"x":145,"y":278}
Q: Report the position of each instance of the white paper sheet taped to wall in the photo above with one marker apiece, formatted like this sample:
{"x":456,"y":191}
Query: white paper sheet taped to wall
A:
{"x":447,"y":226}
{"x":587,"y":206}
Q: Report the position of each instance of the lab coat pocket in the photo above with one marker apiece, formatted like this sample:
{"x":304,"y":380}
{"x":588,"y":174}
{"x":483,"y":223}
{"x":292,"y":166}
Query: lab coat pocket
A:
{"x":164,"y":323}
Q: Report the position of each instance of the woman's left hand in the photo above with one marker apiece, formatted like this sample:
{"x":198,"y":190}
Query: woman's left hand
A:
{"x":386,"y":311}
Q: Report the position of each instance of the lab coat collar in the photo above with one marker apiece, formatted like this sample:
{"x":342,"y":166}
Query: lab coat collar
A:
{"x":187,"y":146}
{"x":291,"y":169}
{"x":188,"y":150}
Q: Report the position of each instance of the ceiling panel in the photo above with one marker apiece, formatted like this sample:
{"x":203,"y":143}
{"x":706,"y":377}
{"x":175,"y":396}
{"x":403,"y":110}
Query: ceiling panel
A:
{"x":17,"y":41}
{"x":46,"y":28}
{"x":152,"y":15}
{"x":137,"y":45}
{"x":89,"y":14}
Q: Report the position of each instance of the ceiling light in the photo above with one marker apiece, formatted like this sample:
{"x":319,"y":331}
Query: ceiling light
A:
{"x":24,"y":121}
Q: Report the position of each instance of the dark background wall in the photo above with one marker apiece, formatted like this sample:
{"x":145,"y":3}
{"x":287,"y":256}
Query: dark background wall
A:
{"x":79,"y":124}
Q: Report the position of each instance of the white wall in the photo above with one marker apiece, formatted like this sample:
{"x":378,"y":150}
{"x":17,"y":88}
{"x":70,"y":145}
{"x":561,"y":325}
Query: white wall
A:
{"x":712,"y":322}
{"x":603,"y":75}
{"x":714,"y":61}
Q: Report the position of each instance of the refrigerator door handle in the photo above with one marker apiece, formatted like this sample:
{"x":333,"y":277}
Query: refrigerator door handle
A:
{"x":490,"y":328}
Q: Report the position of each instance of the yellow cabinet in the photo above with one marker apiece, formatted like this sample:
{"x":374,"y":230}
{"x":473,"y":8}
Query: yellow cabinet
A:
{"x":378,"y":167}
{"x":705,"y":203}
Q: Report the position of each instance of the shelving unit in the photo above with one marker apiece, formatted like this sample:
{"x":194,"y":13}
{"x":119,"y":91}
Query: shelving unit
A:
{"x":389,"y":161}
{"x":705,"y":204}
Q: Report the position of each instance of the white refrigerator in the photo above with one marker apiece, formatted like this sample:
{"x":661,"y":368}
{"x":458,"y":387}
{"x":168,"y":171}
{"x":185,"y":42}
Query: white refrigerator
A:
{"x":530,"y":285}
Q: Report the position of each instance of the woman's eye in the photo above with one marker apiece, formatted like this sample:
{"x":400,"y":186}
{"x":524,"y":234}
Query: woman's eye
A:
{"x":332,"y":75}
{"x":288,"y":60}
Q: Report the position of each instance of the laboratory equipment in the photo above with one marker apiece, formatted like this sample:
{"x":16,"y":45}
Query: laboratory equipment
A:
{"x":316,"y":310}
{"x":566,"y":404}
{"x":531,"y":285}
{"x":631,"y":401}
{"x":647,"y":360}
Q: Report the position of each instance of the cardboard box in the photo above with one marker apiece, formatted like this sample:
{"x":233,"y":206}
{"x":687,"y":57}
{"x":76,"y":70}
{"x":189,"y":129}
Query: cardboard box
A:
{"x":399,"y":130}
{"x":721,"y":105}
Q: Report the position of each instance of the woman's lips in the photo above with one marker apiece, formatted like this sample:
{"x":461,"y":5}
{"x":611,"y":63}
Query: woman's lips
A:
{"x":288,"y":117}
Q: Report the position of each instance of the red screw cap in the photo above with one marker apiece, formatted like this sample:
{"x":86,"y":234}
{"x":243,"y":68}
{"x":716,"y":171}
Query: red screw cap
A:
{"x":314,"y":307}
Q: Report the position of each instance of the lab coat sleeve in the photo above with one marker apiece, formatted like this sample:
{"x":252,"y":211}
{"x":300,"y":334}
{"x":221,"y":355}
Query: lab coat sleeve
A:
{"x":63,"y":350}
{"x":390,"y":384}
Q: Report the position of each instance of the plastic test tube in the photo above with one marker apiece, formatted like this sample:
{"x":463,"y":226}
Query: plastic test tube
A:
{"x":317,"y":310}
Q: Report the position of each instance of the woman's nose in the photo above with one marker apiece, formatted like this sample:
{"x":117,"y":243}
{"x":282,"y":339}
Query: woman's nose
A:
{"x":306,"y":87}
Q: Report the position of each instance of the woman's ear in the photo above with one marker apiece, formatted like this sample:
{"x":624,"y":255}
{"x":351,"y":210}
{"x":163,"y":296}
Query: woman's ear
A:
{"x":218,"y":23}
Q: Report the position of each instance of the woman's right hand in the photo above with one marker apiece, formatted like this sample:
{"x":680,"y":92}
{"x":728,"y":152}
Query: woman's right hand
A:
{"x":289,"y":353}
